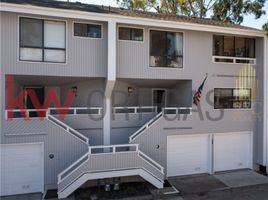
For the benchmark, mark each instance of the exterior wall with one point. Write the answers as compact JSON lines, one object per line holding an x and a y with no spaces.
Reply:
{"x":157,"y":133}
{"x":85,"y":57}
{"x":178,"y":95}
{"x":90,"y":126}
{"x":56,"y":141}
{"x":89,"y":93}
{"x":124,"y":125}
{"x":88,"y":58}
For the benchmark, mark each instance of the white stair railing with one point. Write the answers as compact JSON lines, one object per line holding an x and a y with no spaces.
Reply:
{"x":145,"y":127}
{"x":98,"y":153}
{"x":67,"y":128}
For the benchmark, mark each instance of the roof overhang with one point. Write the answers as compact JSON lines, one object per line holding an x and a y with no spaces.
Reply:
{"x":75,"y":14}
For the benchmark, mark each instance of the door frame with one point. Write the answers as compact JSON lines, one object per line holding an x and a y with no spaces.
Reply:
{"x":163,"y":89}
{"x":42,"y":159}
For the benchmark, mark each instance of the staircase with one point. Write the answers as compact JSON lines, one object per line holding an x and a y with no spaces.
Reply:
{"x":145,"y":127}
{"x":107,"y":162}
{"x":68,"y":129}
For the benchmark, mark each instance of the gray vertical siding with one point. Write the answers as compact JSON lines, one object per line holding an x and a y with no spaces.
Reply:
{"x":85,"y":56}
{"x":157,"y":134}
{"x":124,"y":125}
{"x":66,"y":148}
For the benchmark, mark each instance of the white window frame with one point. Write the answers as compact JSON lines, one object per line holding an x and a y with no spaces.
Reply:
{"x":87,"y":23}
{"x":41,"y":62}
{"x":214,"y":57}
{"x":183,"y":49}
{"x":133,"y":27}
{"x":233,"y":109}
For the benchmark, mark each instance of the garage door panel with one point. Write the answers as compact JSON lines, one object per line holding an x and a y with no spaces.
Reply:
{"x":22,"y":169}
{"x":232,"y":151}
{"x":187,"y":155}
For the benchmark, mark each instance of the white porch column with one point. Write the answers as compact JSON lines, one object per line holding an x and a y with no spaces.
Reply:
{"x":111,"y":77}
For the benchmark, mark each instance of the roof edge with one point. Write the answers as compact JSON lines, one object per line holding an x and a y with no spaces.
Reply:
{"x":104,"y":17}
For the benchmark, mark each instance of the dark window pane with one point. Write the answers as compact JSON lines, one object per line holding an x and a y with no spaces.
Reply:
{"x":250,"y":48}
{"x":232,"y":98}
{"x":80,"y":30}
{"x":31,"y":32}
{"x":166,"y":49}
{"x":228,"y":46}
{"x":137,"y":34}
{"x":233,"y":46}
{"x":124,"y":33}
{"x":158,"y":43}
{"x":218,"y":45}
{"x":94,"y":31}
{"x":240,"y":47}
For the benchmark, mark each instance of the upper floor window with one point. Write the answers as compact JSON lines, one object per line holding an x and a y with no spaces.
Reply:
{"x":42,"y":40}
{"x":233,"y":46}
{"x":166,"y":49}
{"x":232,"y":98}
{"x":133,"y":34}
{"x":87,"y":30}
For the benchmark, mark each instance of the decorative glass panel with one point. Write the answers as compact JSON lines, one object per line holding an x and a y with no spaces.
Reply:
{"x":54,"y":34}
{"x":31,"y":54}
{"x":31,"y":33}
{"x":54,"y":55}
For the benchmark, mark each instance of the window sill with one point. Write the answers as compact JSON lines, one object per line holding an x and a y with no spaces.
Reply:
{"x":167,"y":67}
{"x":233,"y":60}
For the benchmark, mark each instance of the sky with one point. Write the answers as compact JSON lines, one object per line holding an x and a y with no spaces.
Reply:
{"x":248,"y":20}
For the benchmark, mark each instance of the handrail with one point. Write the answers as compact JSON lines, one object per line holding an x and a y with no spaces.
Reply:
{"x":68,"y":129}
{"x":145,"y":127}
{"x":80,"y":161}
{"x":113,"y":148}
{"x":234,"y":59}
{"x":73,"y":110}
{"x":177,"y":110}
{"x":27,"y":112}
{"x":77,"y":110}
{"x":85,"y":158}
{"x":151,"y":161}
{"x":135,"y":109}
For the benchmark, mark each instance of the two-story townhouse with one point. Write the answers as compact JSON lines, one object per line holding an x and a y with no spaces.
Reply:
{"x":92,"y":93}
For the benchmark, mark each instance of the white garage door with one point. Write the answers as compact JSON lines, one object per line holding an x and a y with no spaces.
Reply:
{"x":188,"y":155}
{"x":21,"y":169}
{"x":232,"y":151}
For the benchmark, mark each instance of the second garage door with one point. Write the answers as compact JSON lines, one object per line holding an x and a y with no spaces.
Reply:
{"x":232,"y":151}
{"x":188,"y":154}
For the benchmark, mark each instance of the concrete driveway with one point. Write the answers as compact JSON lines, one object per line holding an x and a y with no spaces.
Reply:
{"x":236,"y":185}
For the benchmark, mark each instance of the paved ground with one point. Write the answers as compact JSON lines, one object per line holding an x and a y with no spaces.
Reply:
{"x":256,"y":192}
{"x":237,"y":185}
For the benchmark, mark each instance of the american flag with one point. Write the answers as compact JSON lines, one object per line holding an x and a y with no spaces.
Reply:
{"x":198,"y":94}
